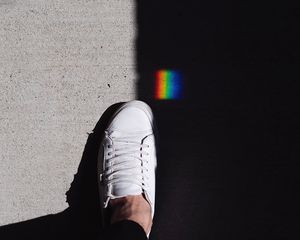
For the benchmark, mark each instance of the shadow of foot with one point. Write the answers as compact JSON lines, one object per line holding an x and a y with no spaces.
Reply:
{"x":81,"y":219}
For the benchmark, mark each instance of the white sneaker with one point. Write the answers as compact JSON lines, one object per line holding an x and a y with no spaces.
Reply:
{"x":127,"y":155}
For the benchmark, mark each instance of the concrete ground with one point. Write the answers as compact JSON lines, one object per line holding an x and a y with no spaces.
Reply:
{"x":62,"y":63}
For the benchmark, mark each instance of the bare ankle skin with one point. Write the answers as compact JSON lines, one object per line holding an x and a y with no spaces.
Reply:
{"x":134,"y":208}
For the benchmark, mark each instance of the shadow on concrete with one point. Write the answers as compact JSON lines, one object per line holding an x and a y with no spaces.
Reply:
{"x":82,"y":219}
{"x":226,"y":146}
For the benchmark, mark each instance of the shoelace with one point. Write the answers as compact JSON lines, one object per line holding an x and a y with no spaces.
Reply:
{"x":127,"y":163}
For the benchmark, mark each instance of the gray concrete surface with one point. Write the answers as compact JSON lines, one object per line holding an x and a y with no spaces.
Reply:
{"x":62,"y":63}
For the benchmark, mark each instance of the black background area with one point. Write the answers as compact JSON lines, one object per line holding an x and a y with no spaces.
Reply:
{"x":225,"y":149}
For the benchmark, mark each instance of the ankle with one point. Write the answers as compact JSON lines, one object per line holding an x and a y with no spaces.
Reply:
{"x":134,"y":208}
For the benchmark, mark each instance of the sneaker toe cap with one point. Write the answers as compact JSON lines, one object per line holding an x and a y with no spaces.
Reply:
{"x":131,"y":119}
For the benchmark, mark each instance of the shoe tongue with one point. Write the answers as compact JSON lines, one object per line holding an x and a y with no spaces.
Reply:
{"x":125,"y":189}
{"x":122,"y":189}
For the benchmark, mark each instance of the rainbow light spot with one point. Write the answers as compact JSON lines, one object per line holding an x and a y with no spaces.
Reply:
{"x":168,"y":84}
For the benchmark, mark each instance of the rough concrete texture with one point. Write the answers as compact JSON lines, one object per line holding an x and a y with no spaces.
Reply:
{"x":62,"y":63}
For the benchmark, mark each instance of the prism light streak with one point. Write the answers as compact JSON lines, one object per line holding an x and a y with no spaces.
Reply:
{"x":168,"y":84}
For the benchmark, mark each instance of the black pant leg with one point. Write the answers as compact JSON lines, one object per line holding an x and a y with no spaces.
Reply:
{"x":124,"y":230}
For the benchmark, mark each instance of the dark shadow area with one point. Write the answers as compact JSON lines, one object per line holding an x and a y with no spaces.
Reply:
{"x":82,"y":219}
{"x":226,"y":148}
